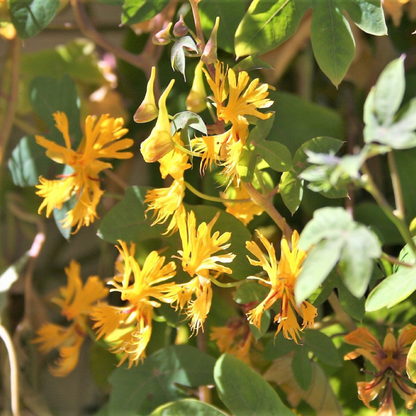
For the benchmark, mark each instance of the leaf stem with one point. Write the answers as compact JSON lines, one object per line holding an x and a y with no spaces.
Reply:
{"x":397,"y":189}
{"x":214,"y":198}
{"x":266,"y":203}
{"x":228,"y":285}
{"x":394,"y":260}
{"x":369,"y":185}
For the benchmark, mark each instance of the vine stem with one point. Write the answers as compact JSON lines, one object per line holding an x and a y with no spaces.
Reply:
{"x":214,"y":198}
{"x":397,"y":189}
{"x":394,"y":260}
{"x":227,"y":285}
{"x":342,"y":317}
{"x":14,"y":370}
{"x":266,"y":203}
{"x":370,"y":187}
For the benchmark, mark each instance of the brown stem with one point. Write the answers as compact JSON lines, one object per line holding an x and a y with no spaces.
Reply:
{"x":342,"y":317}
{"x":266,"y":203}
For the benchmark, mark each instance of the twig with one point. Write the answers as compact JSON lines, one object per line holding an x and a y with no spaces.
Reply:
{"x":342,"y":317}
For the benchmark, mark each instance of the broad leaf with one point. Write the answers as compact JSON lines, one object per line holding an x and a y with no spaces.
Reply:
{"x":187,"y":407}
{"x":322,"y":346}
{"x":331,"y":237}
{"x":268,"y":24}
{"x":319,"y":395}
{"x":136,"y":11}
{"x":29,"y":17}
{"x":244,"y":391}
{"x":291,"y":185}
{"x":302,"y":368}
{"x":139,"y":390}
{"x":28,"y":162}
{"x":230,"y":14}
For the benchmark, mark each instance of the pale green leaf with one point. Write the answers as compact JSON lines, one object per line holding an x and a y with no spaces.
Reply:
{"x":411,"y":363}
{"x":136,"y":11}
{"x":187,"y":407}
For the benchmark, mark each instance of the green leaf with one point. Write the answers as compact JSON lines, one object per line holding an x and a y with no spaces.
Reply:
{"x":389,"y":91}
{"x":28,"y":162}
{"x":392,"y":290}
{"x":250,"y":292}
{"x":140,"y":390}
{"x":136,"y":11}
{"x":353,"y":306}
{"x":29,"y":17}
{"x":411,"y":363}
{"x":187,"y":407}
{"x":267,"y":24}
{"x":331,"y":236}
{"x":332,"y":40}
{"x":302,"y":368}
{"x":49,"y":95}
{"x":278,"y":347}
{"x":59,"y":215}
{"x":291,"y":185}
{"x":244,"y":391}
{"x":126,"y":221}
{"x":251,"y":63}
{"x":178,"y":57}
{"x":322,"y":346}
{"x":230,"y":14}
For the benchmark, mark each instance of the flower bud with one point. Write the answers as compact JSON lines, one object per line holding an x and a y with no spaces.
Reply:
{"x":209,"y":56}
{"x":197,"y":97}
{"x":160,"y":141}
{"x":163,"y":37}
{"x":147,"y":110}
{"x":180,"y":29}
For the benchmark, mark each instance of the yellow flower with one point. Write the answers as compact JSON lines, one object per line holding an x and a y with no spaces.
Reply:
{"x":283,"y":276}
{"x":160,"y":142}
{"x":102,"y":140}
{"x":389,"y":361}
{"x":199,"y":259}
{"x":167,"y":202}
{"x":235,"y":338}
{"x":143,"y":289}
{"x":244,"y":211}
{"x":76,"y":301}
{"x":243,"y":98}
{"x":147,"y":110}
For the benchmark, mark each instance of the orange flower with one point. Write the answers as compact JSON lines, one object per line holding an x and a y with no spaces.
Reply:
{"x":389,"y":361}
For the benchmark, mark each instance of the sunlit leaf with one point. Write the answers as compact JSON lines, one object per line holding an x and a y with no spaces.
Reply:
{"x":136,"y":11}
{"x":29,"y":17}
{"x":411,"y":362}
{"x":331,"y":236}
{"x":178,"y":56}
{"x":244,"y":391}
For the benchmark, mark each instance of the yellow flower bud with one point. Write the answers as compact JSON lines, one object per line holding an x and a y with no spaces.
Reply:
{"x":209,"y":56}
{"x":160,"y":141}
{"x":197,"y":97}
{"x":147,"y":110}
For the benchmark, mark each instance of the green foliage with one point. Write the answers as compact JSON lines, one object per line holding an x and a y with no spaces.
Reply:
{"x":266,"y":25}
{"x":186,"y":407}
{"x":178,"y":54}
{"x":29,"y":17}
{"x":136,"y":11}
{"x":244,"y":391}
{"x":331,"y":237}
{"x":140,"y":390}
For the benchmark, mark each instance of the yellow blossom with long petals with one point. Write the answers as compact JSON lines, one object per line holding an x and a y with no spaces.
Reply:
{"x":143,"y":289}
{"x":199,"y":260}
{"x":282,"y":278}
{"x":389,"y":361}
{"x":102,"y":139}
{"x":76,"y":302}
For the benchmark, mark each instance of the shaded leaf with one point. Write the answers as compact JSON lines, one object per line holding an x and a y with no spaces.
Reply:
{"x":178,"y":56}
{"x":139,"y":390}
{"x":302,"y":368}
{"x":319,"y":395}
{"x":29,"y":17}
{"x":187,"y":407}
{"x":244,"y":391}
{"x":322,"y":346}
